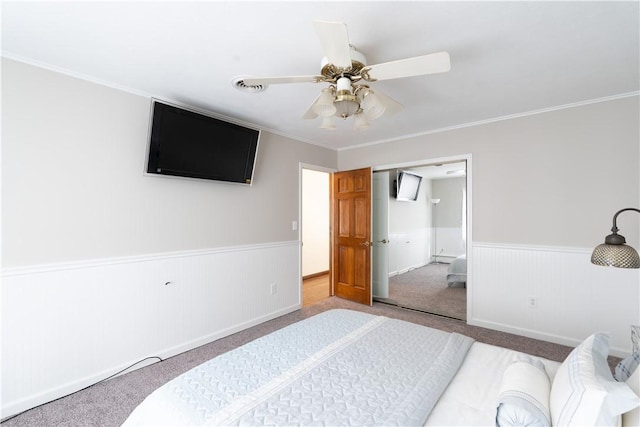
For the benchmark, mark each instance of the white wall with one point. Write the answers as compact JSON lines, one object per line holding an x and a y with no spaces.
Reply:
{"x":409,"y":229}
{"x":89,"y":242}
{"x":73,"y":158}
{"x":315,"y":222}
{"x":448,"y":221}
{"x":556,"y":178}
{"x":549,"y":183}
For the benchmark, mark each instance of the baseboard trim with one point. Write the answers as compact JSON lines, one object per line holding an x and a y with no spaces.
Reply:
{"x":190,"y":345}
{"x":408,"y":269}
{"x":311,"y":276}
{"x":556,"y":339}
{"x":47,"y":396}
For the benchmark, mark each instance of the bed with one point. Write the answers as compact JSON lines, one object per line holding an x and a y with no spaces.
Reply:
{"x":344,"y":367}
{"x":457,"y":271}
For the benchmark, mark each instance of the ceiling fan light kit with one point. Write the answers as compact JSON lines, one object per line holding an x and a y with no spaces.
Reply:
{"x":324,"y":106}
{"x":360,"y":122}
{"x":372,"y":105}
{"x":346,"y":103}
{"x":327,"y":123}
{"x":343,"y":67}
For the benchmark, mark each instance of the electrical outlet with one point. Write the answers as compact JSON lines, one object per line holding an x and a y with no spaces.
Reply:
{"x":273,"y":288}
{"x":532,"y":302}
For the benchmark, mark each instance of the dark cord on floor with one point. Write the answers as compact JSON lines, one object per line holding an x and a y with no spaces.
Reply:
{"x":89,"y":386}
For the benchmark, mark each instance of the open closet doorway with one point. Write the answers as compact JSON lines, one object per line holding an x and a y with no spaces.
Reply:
{"x":427,"y":232}
{"x":315,"y":234}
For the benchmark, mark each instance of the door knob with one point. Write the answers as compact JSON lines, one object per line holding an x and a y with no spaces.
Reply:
{"x":383,"y":241}
{"x":364,"y":243}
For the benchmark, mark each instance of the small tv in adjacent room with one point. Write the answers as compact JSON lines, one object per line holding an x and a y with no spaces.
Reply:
{"x":189,"y":144}
{"x":408,"y":186}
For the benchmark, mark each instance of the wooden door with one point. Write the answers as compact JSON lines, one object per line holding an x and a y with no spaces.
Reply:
{"x":351,"y":197}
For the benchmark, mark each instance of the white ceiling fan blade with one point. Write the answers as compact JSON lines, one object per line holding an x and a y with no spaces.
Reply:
{"x":416,"y":66}
{"x":256,"y":81}
{"x":335,"y":42}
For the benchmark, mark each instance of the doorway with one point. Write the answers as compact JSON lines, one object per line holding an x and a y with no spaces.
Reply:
{"x":378,"y":236}
{"x":427,"y":228}
{"x":348,"y":226}
{"x":315,"y":229}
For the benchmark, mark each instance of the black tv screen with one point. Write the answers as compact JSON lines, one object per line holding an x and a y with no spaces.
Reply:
{"x":189,"y":144}
{"x":408,"y":186}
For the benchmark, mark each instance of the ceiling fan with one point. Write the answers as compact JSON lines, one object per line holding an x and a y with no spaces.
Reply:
{"x":346,"y":71}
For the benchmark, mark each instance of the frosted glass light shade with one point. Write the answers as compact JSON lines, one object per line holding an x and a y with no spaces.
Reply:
{"x":372,"y":106}
{"x":327,"y":123}
{"x":324,"y":105}
{"x":346,"y":106}
{"x":360,"y":122}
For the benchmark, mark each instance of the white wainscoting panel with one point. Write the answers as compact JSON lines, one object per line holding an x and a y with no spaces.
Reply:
{"x":408,"y":250}
{"x":449,"y":242}
{"x":67,"y":326}
{"x":554,"y":294}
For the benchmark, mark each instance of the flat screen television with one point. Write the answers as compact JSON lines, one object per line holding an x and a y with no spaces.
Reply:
{"x":408,"y":186}
{"x":189,"y":144}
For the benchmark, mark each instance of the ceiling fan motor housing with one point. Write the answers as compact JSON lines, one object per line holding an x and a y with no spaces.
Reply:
{"x":332,"y":72}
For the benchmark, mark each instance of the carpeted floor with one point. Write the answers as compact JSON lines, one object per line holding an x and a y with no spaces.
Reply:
{"x":109,"y":403}
{"x":426,"y":289}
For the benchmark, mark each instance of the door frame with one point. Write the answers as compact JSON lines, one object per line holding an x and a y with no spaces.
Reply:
{"x":469,"y":243}
{"x":330,"y":171}
{"x":379,"y":272}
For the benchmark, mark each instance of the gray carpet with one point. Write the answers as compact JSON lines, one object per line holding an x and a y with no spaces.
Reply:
{"x":426,"y":289}
{"x":110,"y":403}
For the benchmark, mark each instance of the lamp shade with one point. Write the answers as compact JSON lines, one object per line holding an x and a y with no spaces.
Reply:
{"x":346,"y":105}
{"x":324,"y":104}
{"x":614,"y":252}
{"x":360,"y":122}
{"x":327,"y":123}
{"x":621,"y":255}
{"x":372,"y":106}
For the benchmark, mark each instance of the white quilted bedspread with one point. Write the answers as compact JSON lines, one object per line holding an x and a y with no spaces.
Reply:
{"x":339,"y":367}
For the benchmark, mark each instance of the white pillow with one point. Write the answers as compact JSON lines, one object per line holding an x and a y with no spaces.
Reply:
{"x":627,"y":366}
{"x":584,"y":392}
{"x":632,"y":418}
{"x":523,"y":399}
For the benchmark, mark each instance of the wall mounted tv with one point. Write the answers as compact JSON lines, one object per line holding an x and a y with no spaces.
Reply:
{"x":190,"y":144}
{"x":407,"y":186}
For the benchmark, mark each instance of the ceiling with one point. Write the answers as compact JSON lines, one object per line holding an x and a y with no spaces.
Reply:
{"x":434,"y":171}
{"x":507,"y":58}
